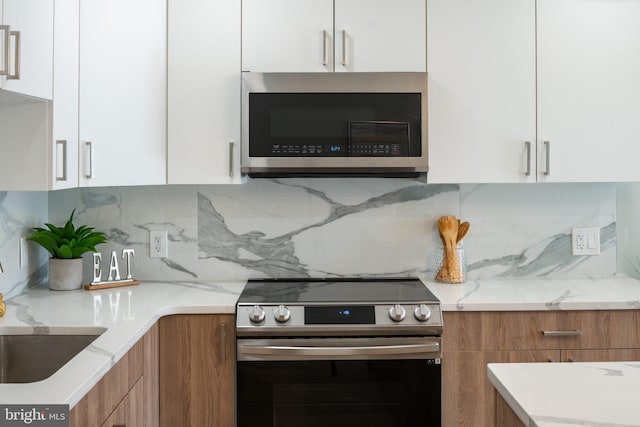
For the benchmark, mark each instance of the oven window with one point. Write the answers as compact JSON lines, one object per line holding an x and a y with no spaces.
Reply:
{"x":374,"y":393}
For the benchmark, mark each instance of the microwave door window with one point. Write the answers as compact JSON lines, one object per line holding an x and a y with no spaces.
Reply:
{"x":328,"y":124}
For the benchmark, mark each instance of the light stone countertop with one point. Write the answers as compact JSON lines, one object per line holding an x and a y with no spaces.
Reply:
{"x":595,"y":394}
{"x":127,"y":313}
{"x":607,"y":293}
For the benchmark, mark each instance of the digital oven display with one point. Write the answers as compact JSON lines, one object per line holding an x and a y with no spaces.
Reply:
{"x":339,"y":315}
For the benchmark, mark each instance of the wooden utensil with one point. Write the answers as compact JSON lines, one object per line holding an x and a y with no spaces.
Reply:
{"x":463,"y":229}
{"x":449,"y":272}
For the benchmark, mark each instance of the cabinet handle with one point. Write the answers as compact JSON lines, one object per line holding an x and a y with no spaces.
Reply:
{"x":527,"y":144}
{"x":16,"y":73}
{"x":574,"y":333}
{"x":325,"y":56}
{"x":119,"y":425}
{"x":63,"y":143}
{"x":89,"y":148}
{"x":231,"y":159}
{"x":547,"y":146}
{"x":344,"y":48}
{"x":6,"y":48}
{"x":223,"y":342}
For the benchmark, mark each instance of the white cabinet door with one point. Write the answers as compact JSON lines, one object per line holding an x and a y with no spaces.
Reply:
{"x":482,"y":90}
{"x":123,"y":92}
{"x":204,"y":92}
{"x":30,"y":47}
{"x":589,"y":89}
{"x":380,"y":35}
{"x":287,"y":35}
{"x":65,"y":94}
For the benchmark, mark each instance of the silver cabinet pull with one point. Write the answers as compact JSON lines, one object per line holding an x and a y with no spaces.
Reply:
{"x":63,"y":143}
{"x":89,"y":148}
{"x":574,"y":333}
{"x":223,"y":342}
{"x":325,"y":55}
{"x":231,"y":159}
{"x":16,"y":66}
{"x":5,"y":29}
{"x":547,"y":146}
{"x":344,"y":48}
{"x":528,"y":145}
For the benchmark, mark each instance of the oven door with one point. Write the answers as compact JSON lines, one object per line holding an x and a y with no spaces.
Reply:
{"x":339,"y":381}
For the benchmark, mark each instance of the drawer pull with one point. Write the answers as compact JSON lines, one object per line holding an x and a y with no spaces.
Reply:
{"x":119,"y":425}
{"x":574,"y":333}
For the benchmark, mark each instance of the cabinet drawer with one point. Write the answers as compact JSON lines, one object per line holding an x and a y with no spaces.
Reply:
{"x":541,"y":330}
{"x":103,"y":399}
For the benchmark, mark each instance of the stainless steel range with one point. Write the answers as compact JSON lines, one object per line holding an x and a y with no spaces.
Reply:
{"x":366,"y":352}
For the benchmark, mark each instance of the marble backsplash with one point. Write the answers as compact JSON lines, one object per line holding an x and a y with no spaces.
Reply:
{"x":331,"y":227}
{"x":346,"y":227}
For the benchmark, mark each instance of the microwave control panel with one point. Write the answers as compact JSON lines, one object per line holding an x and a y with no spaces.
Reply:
{"x":336,"y":150}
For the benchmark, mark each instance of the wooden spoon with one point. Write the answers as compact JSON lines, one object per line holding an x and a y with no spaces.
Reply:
{"x":448,"y":226}
{"x":463,"y":229}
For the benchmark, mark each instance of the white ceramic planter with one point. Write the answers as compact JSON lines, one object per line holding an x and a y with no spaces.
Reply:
{"x":65,"y":274}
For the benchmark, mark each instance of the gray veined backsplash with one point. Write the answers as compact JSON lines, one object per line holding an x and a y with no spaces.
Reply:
{"x":346,"y":227}
{"x":328,"y":227}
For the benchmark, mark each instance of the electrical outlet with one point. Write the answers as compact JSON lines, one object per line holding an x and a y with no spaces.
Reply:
{"x":158,"y":244}
{"x":585,"y":240}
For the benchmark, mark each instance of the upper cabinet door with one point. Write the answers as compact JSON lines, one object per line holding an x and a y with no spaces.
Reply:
{"x":482,"y":91}
{"x":287,"y":35}
{"x":123,"y":81}
{"x":204,"y":92}
{"x":30,"y":65}
{"x":589,"y":90}
{"x":380,"y":35}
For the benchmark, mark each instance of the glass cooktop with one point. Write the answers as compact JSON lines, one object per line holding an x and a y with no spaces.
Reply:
{"x":287,"y":291}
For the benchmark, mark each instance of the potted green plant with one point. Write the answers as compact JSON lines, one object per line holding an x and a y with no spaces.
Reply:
{"x":66,"y":246}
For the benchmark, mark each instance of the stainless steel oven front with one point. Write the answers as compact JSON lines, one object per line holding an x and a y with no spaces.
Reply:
{"x":335,"y":362}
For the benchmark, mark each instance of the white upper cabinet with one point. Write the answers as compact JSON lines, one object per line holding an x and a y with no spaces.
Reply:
{"x":300,"y":36}
{"x":64,"y":108}
{"x":589,"y":89}
{"x":497,"y":66}
{"x":380,"y":35}
{"x":287,"y":35}
{"x":123,"y":80}
{"x":26,"y":47}
{"x":204,"y":92}
{"x":482,"y":91}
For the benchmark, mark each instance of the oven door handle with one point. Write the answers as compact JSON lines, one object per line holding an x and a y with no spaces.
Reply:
{"x":374,"y":350}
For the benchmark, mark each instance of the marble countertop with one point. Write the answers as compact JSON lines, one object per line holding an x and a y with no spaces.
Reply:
{"x":127,"y":313}
{"x":608,"y":293}
{"x":570,"y":394}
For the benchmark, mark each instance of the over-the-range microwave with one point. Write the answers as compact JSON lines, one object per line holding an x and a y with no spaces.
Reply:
{"x":334,"y":124}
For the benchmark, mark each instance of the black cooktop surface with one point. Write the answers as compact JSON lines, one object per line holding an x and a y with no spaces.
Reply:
{"x":345,"y":290}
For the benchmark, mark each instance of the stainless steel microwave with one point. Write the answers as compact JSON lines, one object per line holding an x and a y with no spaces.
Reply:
{"x":334,"y":124}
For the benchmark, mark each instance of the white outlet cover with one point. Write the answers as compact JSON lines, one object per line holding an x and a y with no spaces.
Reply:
{"x":158,"y":244}
{"x":585,"y":241}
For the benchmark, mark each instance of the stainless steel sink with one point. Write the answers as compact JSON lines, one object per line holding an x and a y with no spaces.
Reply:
{"x":28,"y":358}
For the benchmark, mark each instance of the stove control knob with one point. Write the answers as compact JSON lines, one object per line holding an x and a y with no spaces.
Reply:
{"x":422,"y":313}
{"x":397,"y":313}
{"x":282,"y":314}
{"x":256,"y":314}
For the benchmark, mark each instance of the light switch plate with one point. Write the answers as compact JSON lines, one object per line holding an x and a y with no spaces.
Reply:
{"x":585,"y":240}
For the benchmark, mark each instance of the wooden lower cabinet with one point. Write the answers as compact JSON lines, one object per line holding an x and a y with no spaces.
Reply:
{"x":468,"y":397}
{"x":505,"y":417}
{"x":130,"y":411}
{"x":128,"y":394}
{"x":197,"y":370}
{"x":471,"y":340}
